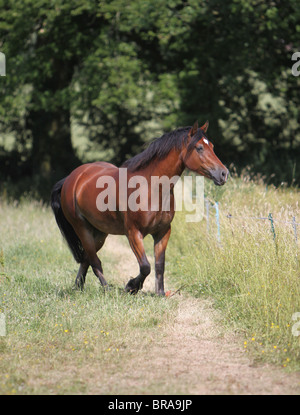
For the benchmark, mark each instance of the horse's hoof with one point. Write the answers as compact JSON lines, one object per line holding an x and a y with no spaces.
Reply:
{"x":132,"y":292}
{"x":78,"y":287}
{"x":131,"y":287}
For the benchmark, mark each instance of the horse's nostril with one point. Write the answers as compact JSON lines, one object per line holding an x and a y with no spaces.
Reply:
{"x":223,"y":175}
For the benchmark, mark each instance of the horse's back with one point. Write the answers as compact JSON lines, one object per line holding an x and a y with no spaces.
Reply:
{"x":98,"y":167}
{"x":83,"y":176}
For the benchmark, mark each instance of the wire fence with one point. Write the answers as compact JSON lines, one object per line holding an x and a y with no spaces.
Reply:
{"x":215,"y":206}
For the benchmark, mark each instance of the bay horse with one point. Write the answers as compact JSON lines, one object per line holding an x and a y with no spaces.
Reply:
{"x":85,"y":227}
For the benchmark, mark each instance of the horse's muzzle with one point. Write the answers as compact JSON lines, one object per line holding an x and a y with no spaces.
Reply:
{"x":219,"y":176}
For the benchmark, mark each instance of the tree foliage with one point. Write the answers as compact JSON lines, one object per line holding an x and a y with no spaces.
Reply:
{"x":127,"y":71}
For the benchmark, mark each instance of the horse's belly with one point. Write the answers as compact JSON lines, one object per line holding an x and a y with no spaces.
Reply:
{"x":105,"y":222}
{"x":159,"y":222}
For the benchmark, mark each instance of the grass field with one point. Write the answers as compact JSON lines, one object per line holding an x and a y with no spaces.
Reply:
{"x":50,"y":325}
{"x":253,"y":280}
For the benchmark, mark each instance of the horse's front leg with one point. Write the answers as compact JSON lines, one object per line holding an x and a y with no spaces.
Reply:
{"x":160,"y":244}
{"x":135,"y":239}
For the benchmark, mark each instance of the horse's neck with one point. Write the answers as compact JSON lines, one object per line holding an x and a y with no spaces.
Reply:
{"x":170,"y":166}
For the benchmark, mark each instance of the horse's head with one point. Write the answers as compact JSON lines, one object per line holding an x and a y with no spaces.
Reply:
{"x":199,"y":156}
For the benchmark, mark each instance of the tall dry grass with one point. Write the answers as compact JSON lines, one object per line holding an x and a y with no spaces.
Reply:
{"x":253,"y":279}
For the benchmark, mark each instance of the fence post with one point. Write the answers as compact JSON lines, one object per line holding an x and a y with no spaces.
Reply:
{"x":270,"y":217}
{"x":229,"y":216}
{"x":295,"y":229}
{"x":207,"y":215}
{"x":218,"y":221}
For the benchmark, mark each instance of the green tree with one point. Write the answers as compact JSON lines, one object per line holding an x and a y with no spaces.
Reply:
{"x":128,"y":70}
{"x":233,"y":60}
{"x":78,"y":59}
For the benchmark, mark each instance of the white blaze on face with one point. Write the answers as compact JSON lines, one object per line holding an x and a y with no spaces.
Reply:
{"x":205,"y":141}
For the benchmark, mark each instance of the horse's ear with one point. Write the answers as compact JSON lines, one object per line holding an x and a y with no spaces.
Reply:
{"x":194,"y":129}
{"x":205,"y":127}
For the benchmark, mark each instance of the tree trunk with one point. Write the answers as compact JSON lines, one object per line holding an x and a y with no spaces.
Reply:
{"x":52,"y":151}
{"x":52,"y":154}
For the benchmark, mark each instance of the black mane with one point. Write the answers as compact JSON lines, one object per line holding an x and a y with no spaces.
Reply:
{"x":160,"y":147}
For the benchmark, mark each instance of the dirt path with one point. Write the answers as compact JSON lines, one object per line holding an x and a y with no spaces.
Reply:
{"x":196,"y":354}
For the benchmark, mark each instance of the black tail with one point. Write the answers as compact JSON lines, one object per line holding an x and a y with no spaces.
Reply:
{"x":64,"y":226}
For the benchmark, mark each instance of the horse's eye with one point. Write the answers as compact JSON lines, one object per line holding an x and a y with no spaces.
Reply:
{"x":199,"y":148}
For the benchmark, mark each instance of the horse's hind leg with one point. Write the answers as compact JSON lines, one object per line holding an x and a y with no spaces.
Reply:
{"x":80,"y":279}
{"x":99,"y":239}
{"x":94,"y":261}
{"x":91,"y":241}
